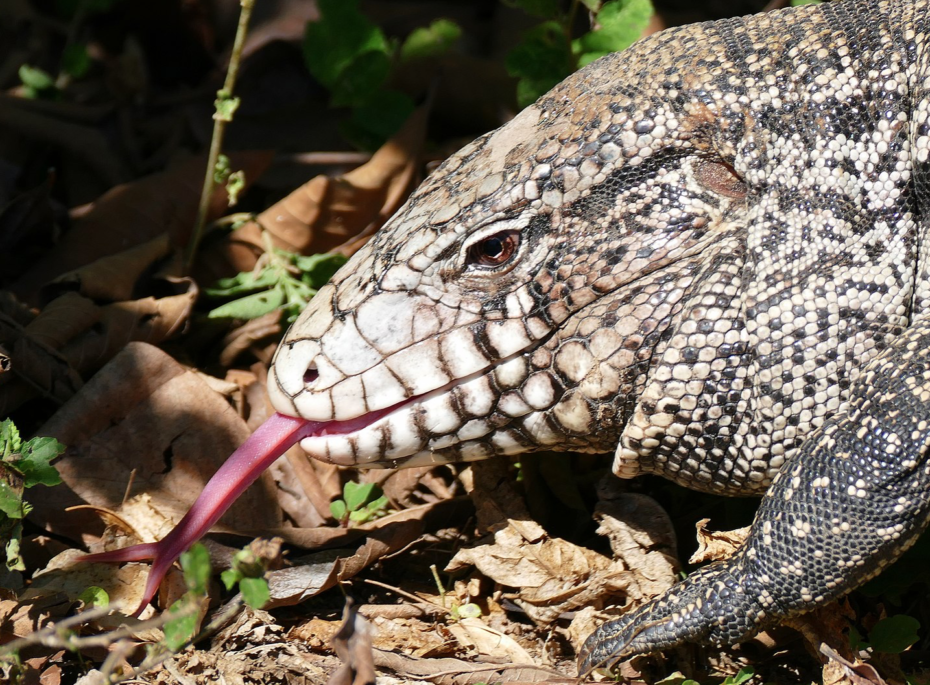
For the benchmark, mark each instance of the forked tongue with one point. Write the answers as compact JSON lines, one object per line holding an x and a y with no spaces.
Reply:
{"x":272,"y":439}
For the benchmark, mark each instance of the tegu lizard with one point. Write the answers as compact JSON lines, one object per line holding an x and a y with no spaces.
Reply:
{"x":706,"y":255}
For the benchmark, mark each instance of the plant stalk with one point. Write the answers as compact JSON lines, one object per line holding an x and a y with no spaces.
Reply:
{"x":221,"y":117}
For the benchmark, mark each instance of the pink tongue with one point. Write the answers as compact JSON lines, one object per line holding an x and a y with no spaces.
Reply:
{"x":272,"y":439}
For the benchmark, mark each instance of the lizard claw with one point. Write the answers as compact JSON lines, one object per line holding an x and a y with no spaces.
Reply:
{"x":274,"y":437}
{"x":717,"y":604}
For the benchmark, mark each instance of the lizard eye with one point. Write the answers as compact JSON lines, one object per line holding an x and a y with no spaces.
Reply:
{"x":494,"y":250}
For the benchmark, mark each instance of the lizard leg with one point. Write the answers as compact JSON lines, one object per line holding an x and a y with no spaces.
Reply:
{"x":855,"y":497}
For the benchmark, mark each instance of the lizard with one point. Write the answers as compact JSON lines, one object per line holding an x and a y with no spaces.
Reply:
{"x":706,"y":255}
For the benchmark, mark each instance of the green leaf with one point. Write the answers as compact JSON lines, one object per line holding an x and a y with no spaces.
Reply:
{"x":11,"y":501}
{"x":431,"y":41}
{"x":13,"y":548}
{"x":319,"y":268}
{"x":676,"y":678}
{"x":179,"y":630}
{"x":35,"y":463}
{"x":540,"y":61}
{"x":94,"y":596}
{"x":235,"y":184}
{"x":255,"y":592}
{"x":592,"y":5}
{"x":338,"y":509}
{"x":10,"y":442}
{"x":35,"y":78}
{"x":225,"y":106}
{"x":364,"y":75}
{"x":799,"y":3}
{"x":856,"y":641}
{"x":378,"y":505}
{"x":621,"y":23}
{"x":221,"y":170}
{"x":360,"y":516}
{"x":230,"y":577}
{"x":894,"y":634}
{"x":75,"y":60}
{"x":744,"y":675}
{"x":251,"y":306}
{"x":244,"y":282}
{"x":470,"y":610}
{"x":357,"y":494}
{"x":547,"y":9}
{"x":377,"y":119}
{"x":195,"y":563}
{"x":340,"y":36}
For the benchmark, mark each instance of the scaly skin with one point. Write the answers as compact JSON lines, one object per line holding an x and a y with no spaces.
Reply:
{"x":714,"y":234}
{"x":706,"y":255}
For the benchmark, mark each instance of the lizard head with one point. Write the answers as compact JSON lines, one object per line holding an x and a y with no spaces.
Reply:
{"x":517,"y":299}
{"x":652,"y":260}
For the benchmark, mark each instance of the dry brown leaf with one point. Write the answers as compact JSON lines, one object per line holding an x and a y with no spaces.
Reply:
{"x":148,"y":420}
{"x":842,"y":671}
{"x":89,"y":337}
{"x":716,"y":545}
{"x":326,"y":212}
{"x":150,"y":320}
{"x":21,"y":618}
{"x":312,"y":574}
{"x":64,"y":575}
{"x":421,"y":638}
{"x":473,"y":634}
{"x":399,"y":484}
{"x":410,"y":636}
{"x":352,"y":644}
{"x":134,"y":213}
{"x":459,"y":672}
{"x":37,"y":367}
{"x":62,"y":319}
{"x":243,"y":337}
{"x":552,"y":575}
{"x":112,"y":278}
{"x":641,"y":537}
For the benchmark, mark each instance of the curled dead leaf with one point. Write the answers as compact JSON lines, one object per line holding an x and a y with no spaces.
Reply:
{"x":352,"y":644}
{"x":112,"y":278}
{"x":716,"y":545}
{"x":134,"y":213}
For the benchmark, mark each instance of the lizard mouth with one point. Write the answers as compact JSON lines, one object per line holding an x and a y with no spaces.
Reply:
{"x":341,"y":441}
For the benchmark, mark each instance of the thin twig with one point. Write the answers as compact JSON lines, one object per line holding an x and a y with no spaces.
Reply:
{"x":223,"y":96}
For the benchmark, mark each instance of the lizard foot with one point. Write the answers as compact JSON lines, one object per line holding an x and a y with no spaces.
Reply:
{"x":717,"y":604}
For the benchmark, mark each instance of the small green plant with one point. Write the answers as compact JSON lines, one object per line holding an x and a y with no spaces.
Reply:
{"x":281,"y":280}
{"x":548,"y":53}
{"x":94,"y":596}
{"x":195,"y":563}
{"x":248,"y":571}
{"x":37,"y":83}
{"x":75,"y":60}
{"x":23,"y":465}
{"x":354,"y":59}
{"x":458,"y":611}
{"x":891,"y":635}
{"x":360,"y":503}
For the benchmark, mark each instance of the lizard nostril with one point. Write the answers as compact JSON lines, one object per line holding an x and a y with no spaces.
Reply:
{"x":311,"y":374}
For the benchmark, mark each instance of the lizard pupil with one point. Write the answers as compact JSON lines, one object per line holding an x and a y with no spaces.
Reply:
{"x":494,"y":250}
